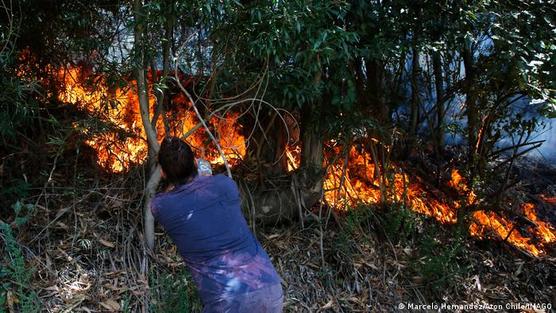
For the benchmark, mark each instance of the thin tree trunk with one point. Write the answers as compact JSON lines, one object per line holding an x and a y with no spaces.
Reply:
{"x":312,"y":147}
{"x":471,"y":106}
{"x":472,"y":121}
{"x":280,"y":149}
{"x":375,"y":91}
{"x":312,"y":138}
{"x":150,"y":131}
{"x":414,"y":109}
{"x":160,"y":110}
{"x":439,"y":87}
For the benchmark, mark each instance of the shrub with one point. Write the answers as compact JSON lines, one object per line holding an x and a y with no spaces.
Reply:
{"x":173,"y":292}
{"x":16,"y":274}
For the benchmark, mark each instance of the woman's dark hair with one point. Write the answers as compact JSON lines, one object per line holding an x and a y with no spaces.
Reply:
{"x":177,"y":160}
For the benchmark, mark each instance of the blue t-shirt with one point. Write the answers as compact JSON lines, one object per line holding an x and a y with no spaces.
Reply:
{"x":204,"y":219}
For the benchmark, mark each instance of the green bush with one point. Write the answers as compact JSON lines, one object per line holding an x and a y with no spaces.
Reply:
{"x":17,"y":108}
{"x":440,"y":262}
{"x":173,"y":292}
{"x":16,"y":274}
{"x":355,"y":226}
{"x":400,"y":223}
{"x":13,"y":190}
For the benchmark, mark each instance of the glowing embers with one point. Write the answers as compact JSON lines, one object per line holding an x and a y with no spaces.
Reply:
{"x":124,"y":144}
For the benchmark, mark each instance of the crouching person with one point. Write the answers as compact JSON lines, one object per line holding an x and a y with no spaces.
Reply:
{"x":203,"y":217}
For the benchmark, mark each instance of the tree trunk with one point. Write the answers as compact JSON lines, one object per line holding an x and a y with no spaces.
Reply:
{"x":414,"y":108}
{"x":438,"y":134}
{"x":312,"y":142}
{"x":439,"y":87}
{"x":472,"y":122}
{"x":150,"y":131}
{"x":375,"y":91}
{"x":280,"y":157}
{"x":471,"y":106}
{"x":161,"y":98}
{"x":312,"y":138}
{"x":312,"y":157}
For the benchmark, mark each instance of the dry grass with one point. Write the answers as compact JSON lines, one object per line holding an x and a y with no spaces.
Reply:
{"x":87,"y":249}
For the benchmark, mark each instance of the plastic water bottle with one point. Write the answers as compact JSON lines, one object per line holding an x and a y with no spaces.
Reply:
{"x":203,"y":167}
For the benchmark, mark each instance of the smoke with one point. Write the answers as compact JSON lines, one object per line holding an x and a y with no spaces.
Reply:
{"x":547,"y":151}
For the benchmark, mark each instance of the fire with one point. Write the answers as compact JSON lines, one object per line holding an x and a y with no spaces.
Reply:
{"x":361,"y":184}
{"x":350,"y":185}
{"x":543,"y":230}
{"x":358,"y":181}
{"x":293,"y":158}
{"x":459,"y":184}
{"x":114,"y":151}
{"x":230,"y":138}
{"x":549,"y":200}
{"x":490,"y":223}
{"x":125,"y":144}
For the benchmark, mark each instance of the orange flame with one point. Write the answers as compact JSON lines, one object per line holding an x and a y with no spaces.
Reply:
{"x":356,"y":183}
{"x":120,"y":108}
{"x":543,"y":229}
{"x":360,"y":182}
{"x":293,"y":156}
{"x":362,"y":185}
{"x":459,"y":184}
{"x":489,"y":223}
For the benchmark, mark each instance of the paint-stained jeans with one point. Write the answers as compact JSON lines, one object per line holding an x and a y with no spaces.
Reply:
{"x":264,"y":300}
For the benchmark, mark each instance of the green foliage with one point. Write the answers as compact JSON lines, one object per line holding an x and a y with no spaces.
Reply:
{"x":173,"y":292}
{"x":298,"y":41}
{"x":16,"y":274}
{"x":400,"y":223}
{"x":439,"y":262}
{"x":358,"y":223}
{"x":22,"y":213}
{"x":17,"y":109}
{"x":523,"y":36}
{"x":15,"y":189}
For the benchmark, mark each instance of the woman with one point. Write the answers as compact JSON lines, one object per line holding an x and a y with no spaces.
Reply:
{"x":203,"y":217}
